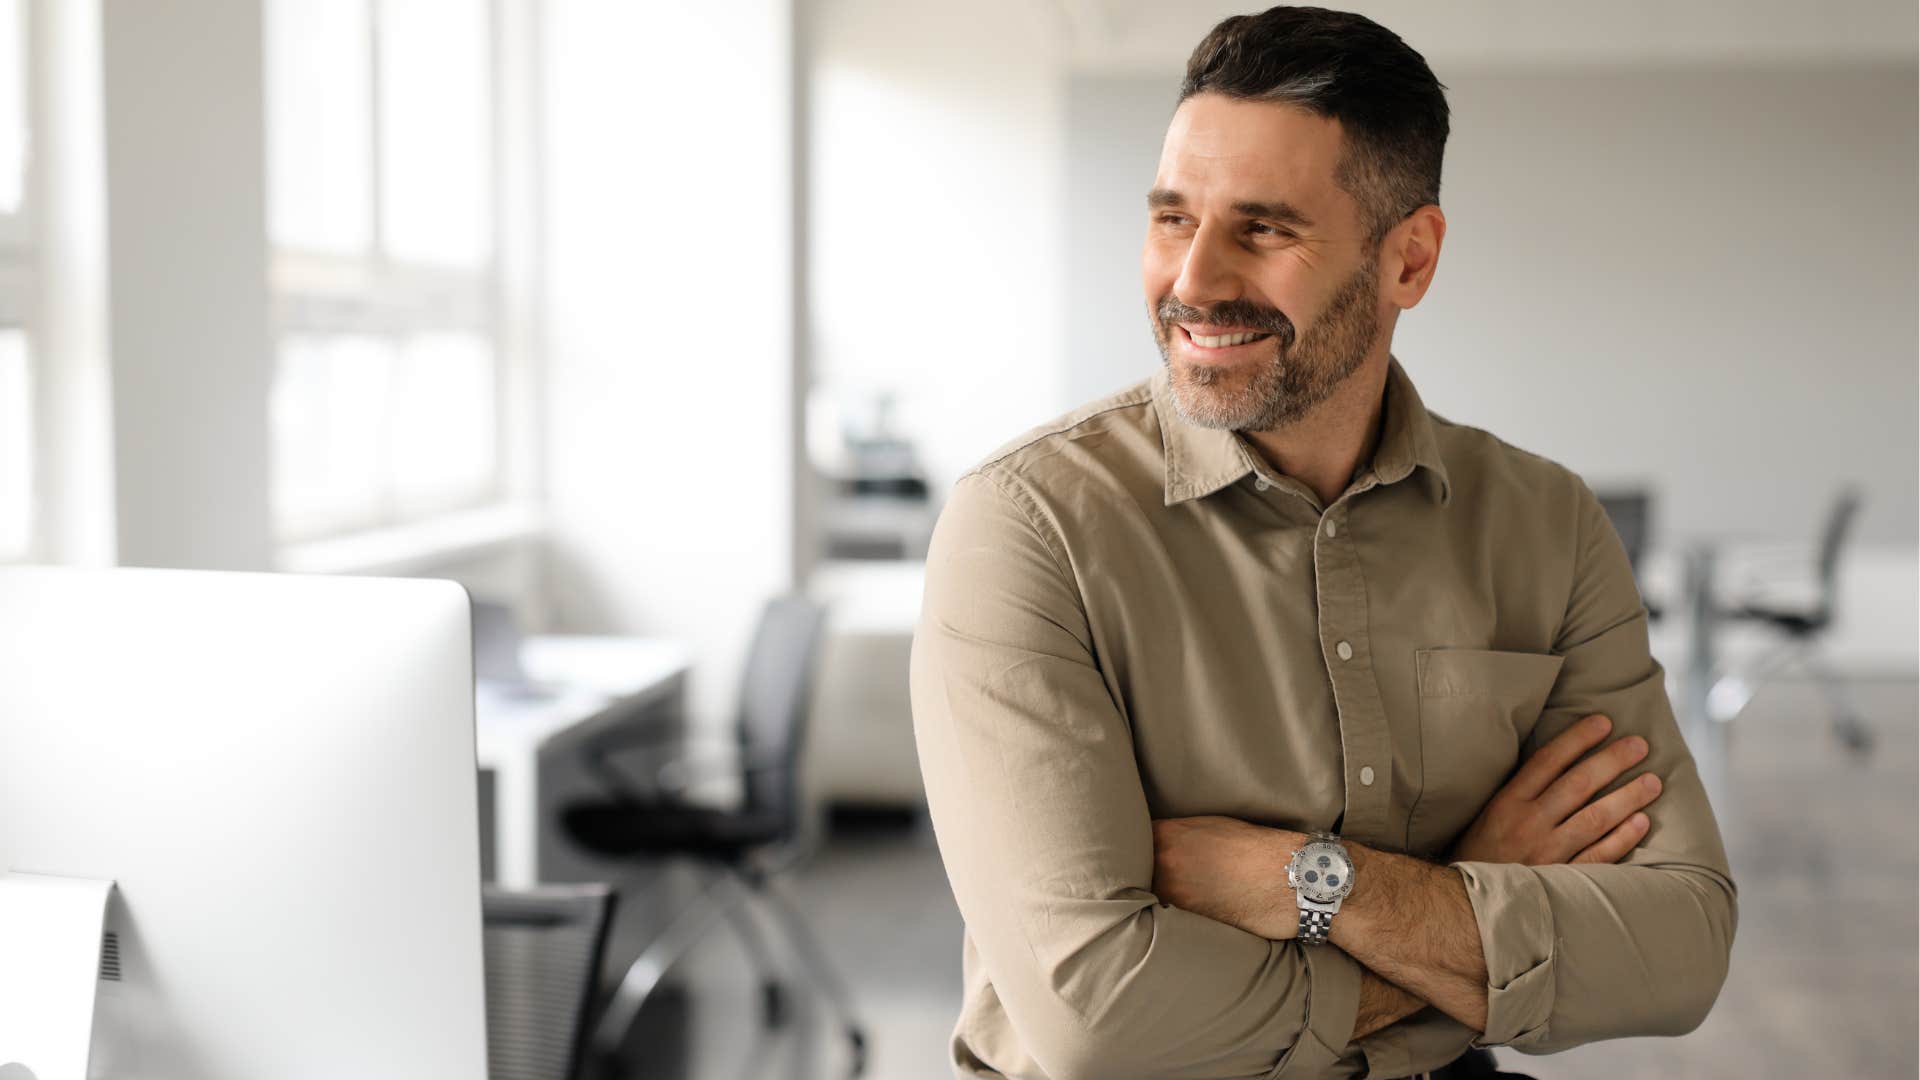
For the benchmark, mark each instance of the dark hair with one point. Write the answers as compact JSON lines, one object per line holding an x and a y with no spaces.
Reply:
{"x":1345,"y":67}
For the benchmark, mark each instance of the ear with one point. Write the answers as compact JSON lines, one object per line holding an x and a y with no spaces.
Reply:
{"x":1409,"y":255}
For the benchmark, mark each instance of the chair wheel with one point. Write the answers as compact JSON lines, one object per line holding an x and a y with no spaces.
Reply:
{"x":1854,"y":735}
{"x":858,"y":1039}
{"x":773,"y":1004}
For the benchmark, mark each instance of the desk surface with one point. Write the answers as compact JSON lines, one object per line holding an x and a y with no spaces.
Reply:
{"x":579,"y":686}
{"x":575,"y":678}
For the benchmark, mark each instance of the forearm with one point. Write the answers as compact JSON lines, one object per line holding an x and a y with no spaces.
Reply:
{"x":1382,"y":1005}
{"x":1411,"y":923}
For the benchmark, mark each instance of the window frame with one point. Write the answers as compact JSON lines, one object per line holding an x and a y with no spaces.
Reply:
{"x":373,"y":294}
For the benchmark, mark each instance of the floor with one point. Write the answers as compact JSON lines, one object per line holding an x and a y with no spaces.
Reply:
{"x":1823,"y":981}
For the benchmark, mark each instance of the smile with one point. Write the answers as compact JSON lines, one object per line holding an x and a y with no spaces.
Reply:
{"x":1226,"y":340}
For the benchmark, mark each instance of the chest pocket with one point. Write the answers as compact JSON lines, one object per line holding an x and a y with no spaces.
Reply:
{"x":1476,"y":708}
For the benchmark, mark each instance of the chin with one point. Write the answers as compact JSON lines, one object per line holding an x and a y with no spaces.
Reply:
{"x":1216,"y":376}
{"x":1213,"y":400}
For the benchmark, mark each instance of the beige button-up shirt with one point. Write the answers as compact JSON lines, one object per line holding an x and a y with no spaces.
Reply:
{"x":1128,"y":617}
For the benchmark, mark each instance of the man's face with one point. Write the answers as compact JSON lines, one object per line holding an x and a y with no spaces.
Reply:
{"x":1260,"y":283}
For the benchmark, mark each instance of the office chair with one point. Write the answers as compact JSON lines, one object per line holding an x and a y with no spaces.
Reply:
{"x":739,"y":853}
{"x":542,"y":949}
{"x":1803,"y":627}
{"x":1631,"y":512}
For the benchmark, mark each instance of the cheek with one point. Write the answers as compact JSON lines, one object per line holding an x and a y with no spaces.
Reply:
{"x":1300,"y":290}
{"x":1289,"y":289}
{"x":1159,"y":267}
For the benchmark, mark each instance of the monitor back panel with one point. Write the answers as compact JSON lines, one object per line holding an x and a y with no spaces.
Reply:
{"x":278,"y":772}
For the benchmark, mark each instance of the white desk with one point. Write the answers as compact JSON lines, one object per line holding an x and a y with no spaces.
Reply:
{"x":589,"y":684}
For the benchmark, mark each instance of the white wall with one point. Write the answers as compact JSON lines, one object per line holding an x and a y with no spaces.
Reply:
{"x":670,"y":365}
{"x":937,"y":153}
{"x":1702,"y":279}
{"x":187,"y":282}
{"x":1115,"y":124}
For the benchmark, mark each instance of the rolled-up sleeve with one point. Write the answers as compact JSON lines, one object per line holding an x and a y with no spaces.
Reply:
{"x":1580,"y":953}
{"x":1043,"y":824}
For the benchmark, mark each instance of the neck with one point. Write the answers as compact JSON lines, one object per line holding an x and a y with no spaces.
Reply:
{"x":1323,"y":448}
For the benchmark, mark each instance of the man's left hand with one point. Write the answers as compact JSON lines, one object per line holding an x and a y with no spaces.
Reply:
{"x":1229,"y":870}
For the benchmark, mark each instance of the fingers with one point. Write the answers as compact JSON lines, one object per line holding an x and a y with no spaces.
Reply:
{"x":1617,"y":843}
{"x":1602,"y":816}
{"x":1559,"y":754}
{"x":1593,"y":772}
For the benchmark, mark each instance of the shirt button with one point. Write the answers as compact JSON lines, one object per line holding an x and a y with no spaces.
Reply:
{"x":1260,"y":483}
{"x":1366,"y":775}
{"x":1332,"y":529}
{"x":1345,"y":650}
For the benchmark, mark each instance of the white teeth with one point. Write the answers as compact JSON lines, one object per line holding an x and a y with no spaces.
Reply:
{"x":1223,"y":340}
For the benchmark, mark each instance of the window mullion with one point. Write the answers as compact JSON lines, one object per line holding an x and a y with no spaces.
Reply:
{"x":380,"y":270}
{"x":390,"y":431}
{"x":22,"y":299}
{"x":376,"y":201}
{"x":500,"y":317}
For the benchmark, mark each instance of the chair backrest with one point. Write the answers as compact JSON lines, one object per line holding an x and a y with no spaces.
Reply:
{"x":1833,"y":539}
{"x":775,"y":694}
{"x":542,"y":949}
{"x":1631,"y":512}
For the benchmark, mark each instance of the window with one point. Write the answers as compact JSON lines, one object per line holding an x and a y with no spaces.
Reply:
{"x":387,"y":399}
{"x":17,"y":432}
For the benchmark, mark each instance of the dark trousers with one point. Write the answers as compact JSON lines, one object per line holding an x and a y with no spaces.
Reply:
{"x":1475,"y":1065}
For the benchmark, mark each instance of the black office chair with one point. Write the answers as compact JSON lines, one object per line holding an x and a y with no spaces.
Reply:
{"x":740,"y":853}
{"x":542,"y":950}
{"x":1803,"y":626}
{"x":1631,"y":512}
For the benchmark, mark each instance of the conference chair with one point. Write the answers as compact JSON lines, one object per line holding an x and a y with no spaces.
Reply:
{"x":1802,"y":625}
{"x":542,"y":950}
{"x":740,"y":854}
{"x":1631,"y":512}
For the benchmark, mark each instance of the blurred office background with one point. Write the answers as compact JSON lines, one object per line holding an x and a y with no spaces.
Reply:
{"x":631,"y":316}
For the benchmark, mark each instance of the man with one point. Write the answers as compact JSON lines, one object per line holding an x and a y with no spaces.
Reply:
{"x":1272,"y":726}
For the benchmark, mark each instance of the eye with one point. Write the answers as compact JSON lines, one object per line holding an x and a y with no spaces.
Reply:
{"x":1261,"y":228}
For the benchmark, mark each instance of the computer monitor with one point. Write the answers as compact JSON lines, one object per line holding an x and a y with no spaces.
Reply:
{"x":278,"y":773}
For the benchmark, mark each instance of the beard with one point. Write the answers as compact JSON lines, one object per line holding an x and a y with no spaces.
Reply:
{"x":1300,"y":373}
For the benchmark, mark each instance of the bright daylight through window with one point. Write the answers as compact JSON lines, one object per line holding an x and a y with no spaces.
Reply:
{"x":16,"y":382}
{"x":381,"y":116}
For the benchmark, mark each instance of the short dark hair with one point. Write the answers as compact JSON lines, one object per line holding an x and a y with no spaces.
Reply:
{"x":1345,"y":67}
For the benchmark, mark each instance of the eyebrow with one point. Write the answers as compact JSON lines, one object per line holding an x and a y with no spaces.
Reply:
{"x":1280,"y":210}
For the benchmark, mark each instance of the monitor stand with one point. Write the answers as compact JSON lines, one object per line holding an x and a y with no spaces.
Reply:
{"x":50,"y":932}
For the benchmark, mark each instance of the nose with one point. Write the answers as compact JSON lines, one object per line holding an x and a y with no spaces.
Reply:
{"x":1210,"y":272}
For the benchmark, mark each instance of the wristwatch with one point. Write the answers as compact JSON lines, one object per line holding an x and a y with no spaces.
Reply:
{"x":1321,"y":875}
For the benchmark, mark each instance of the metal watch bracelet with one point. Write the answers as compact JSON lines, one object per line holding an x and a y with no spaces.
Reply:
{"x":1314,"y":926}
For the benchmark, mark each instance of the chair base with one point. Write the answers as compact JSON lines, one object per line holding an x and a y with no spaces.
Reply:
{"x":1733,"y":692}
{"x":733,"y":893}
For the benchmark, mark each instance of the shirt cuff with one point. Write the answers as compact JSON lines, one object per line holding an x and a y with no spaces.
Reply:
{"x":1419,"y":1043}
{"x":1516,"y":933}
{"x":1333,"y":1004}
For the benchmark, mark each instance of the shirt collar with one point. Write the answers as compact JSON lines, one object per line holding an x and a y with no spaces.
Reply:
{"x":1201,"y":461}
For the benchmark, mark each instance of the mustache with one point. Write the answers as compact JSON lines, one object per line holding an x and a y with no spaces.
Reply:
{"x":1243,"y":312}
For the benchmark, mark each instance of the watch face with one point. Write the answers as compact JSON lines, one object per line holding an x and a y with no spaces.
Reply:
{"x":1321,"y":873}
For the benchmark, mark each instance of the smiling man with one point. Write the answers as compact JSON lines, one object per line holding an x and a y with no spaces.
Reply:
{"x":1273,"y":726}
